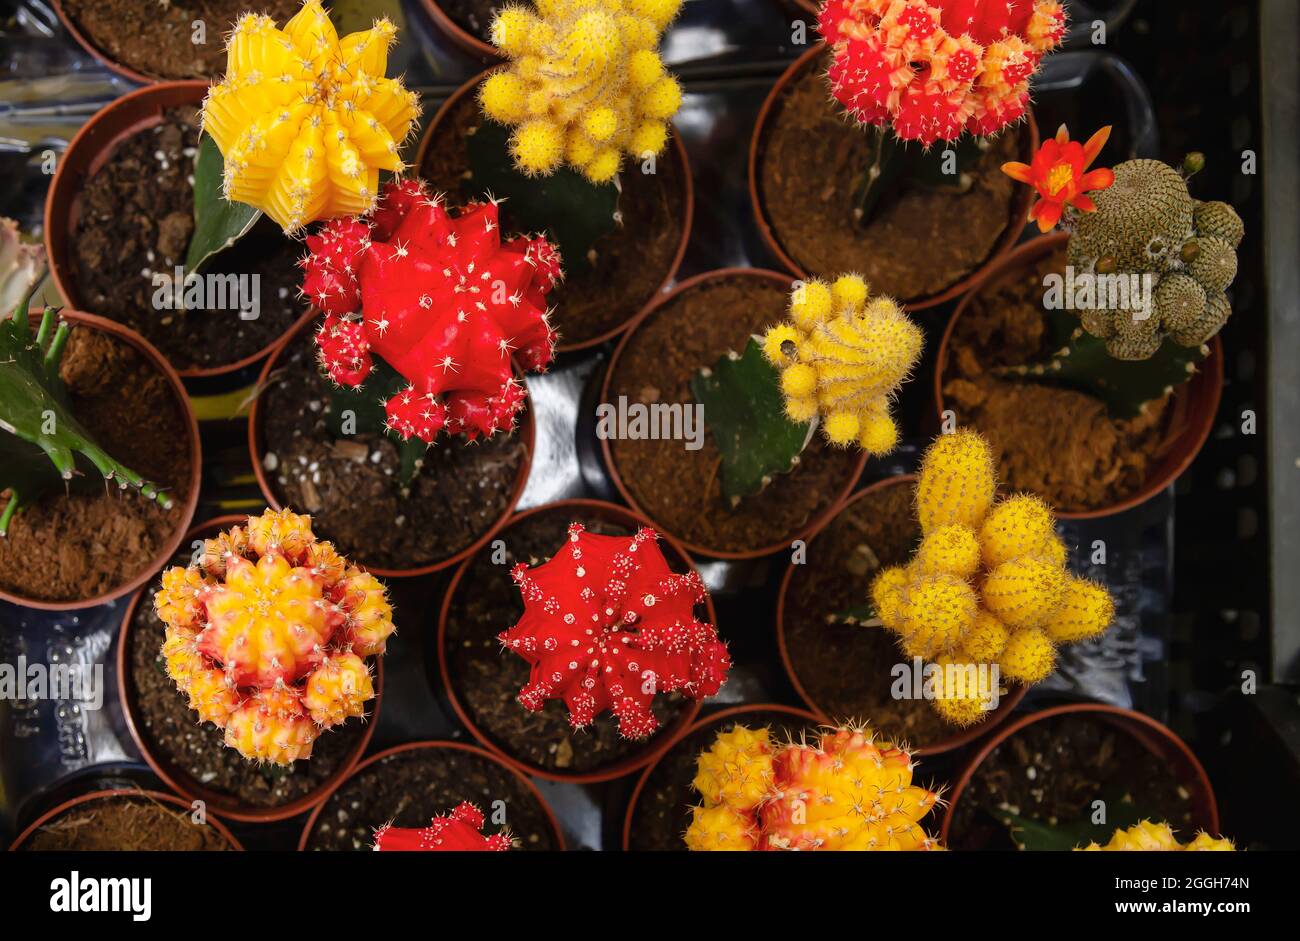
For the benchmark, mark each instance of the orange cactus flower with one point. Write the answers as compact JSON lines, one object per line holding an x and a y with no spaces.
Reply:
{"x":1061,"y":176}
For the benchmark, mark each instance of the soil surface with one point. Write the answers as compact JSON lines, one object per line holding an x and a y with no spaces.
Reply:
{"x":157,"y":38}
{"x":631,"y":261}
{"x":473,"y":16}
{"x":845,"y":669}
{"x":351,"y":486}
{"x":920,"y":242}
{"x":663,"y":810}
{"x":1054,"y":770}
{"x":92,"y":538}
{"x":410,"y":788}
{"x":488,"y":679}
{"x":135,"y":221}
{"x":681,"y":489}
{"x":128,"y":824}
{"x":1056,"y":442}
{"x":174,"y":734}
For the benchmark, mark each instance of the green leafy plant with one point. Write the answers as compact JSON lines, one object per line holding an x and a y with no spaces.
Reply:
{"x":218,"y":222}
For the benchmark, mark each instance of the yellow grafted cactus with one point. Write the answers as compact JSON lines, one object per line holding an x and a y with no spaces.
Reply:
{"x":306,"y":120}
{"x":584,"y":85}
{"x":842,"y":356}
{"x":841,"y":791}
{"x":1159,"y":837}
{"x":988,"y":584}
{"x":737,"y":769}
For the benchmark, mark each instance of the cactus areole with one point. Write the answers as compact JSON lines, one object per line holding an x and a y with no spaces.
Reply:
{"x":607,"y":625}
{"x":458,"y":831}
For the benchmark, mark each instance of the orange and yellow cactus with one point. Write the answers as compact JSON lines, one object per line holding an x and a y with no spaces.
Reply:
{"x":988,"y":583}
{"x":266,"y":634}
{"x":1159,"y":837}
{"x":844,"y":791}
{"x":843,"y":355}
{"x":585,"y":84}
{"x":306,"y":120}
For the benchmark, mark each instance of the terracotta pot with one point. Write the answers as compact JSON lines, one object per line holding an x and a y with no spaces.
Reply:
{"x":663,"y":300}
{"x":89,"y":150}
{"x":188,"y":502}
{"x":158,"y":796}
{"x":658,"y":742}
{"x":1153,"y":736}
{"x":527,"y":428}
{"x":449,"y":746}
{"x":98,"y":54}
{"x":182,"y":781}
{"x":1019,"y":210}
{"x":716,"y":718}
{"x":688,"y":209}
{"x":467,"y":41}
{"x":1195,"y":403}
{"x":959,"y":737}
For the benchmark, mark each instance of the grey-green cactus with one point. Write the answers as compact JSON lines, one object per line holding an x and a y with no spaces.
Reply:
{"x":44,"y":439}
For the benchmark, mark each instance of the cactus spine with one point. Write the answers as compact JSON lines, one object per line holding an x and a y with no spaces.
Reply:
{"x":1159,"y":837}
{"x":458,"y":831}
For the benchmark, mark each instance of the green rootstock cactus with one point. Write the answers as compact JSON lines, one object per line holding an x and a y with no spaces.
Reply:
{"x":1185,"y":252}
{"x":44,"y":439}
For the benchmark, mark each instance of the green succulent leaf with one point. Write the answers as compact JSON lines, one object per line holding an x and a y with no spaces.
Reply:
{"x":745,"y":411}
{"x":859,"y":615}
{"x":218,"y":222}
{"x":572,"y":210}
{"x":1030,"y":833}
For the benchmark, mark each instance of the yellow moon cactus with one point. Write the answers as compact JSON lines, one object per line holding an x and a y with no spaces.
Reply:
{"x":842,"y":356}
{"x":306,"y":120}
{"x":1159,"y":837}
{"x":584,"y":86}
{"x":988,"y":583}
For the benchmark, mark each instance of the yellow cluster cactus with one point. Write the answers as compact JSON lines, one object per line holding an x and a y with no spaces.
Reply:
{"x":585,"y":84}
{"x":843,"y":791}
{"x":306,"y":120}
{"x":1159,"y":837}
{"x":842,"y":355}
{"x":988,"y":583}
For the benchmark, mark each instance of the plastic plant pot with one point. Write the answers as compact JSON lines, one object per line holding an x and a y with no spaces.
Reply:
{"x":465,"y":40}
{"x":157,"y":796}
{"x":84,"y":41}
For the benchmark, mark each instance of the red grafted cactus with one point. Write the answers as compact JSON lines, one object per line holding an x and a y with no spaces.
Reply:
{"x":440,"y":298}
{"x":931,"y":69}
{"x":607,"y":625}
{"x":459,"y":831}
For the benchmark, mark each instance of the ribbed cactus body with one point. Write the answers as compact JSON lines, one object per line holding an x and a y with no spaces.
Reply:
{"x":457,"y":832}
{"x":1159,"y":837}
{"x":266,"y":632}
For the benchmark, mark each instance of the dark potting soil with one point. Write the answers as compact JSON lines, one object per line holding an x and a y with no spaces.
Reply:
{"x":174,"y":733}
{"x":488,"y":679}
{"x":663,"y":810}
{"x":845,"y":669}
{"x":630,"y":262}
{"x":351,"y":486}
{"x":409,"y":788}
{"x":136,"y":219}
{"x":1053,"y":771}
{"x":921,"y":241}
{"x":125,"y":823}
{"x":92,"y":538}
{"x":680,"y":489}
{"x":473,"y":16}
{"x":1056,"y":442}
{"x":157,"y":39}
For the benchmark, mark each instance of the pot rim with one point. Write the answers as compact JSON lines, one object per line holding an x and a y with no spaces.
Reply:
{"x":159,"y":796}
{"x":1206,"y":383}
{"x":698,"y":726}
{"x":816,"y":521}
{"x":960,"y":737}
{"x":190,"y":503}
{"x":1114,"y":715}
{"x":433,"y":744}
{"x":1021,"y":200}
{"x":656,"y":744}
{"x":100,"y":55}
{"x":466,"y":40}
{"x":227,"y":805}
{"x":527,"y":427}
{"x":688,"y":208}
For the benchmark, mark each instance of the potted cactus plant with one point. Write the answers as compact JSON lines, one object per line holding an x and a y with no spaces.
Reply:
{"x":1110,"y":331}
{"x":574,"y":133}
{"x":457,"y":832}
{"x":911,"y":186}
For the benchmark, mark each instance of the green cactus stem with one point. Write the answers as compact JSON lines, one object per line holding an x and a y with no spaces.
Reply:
{"x":44,"y":439}
{"x":946,"y":166}
{"x":356,"y":410}
{"x":745,"y":411}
